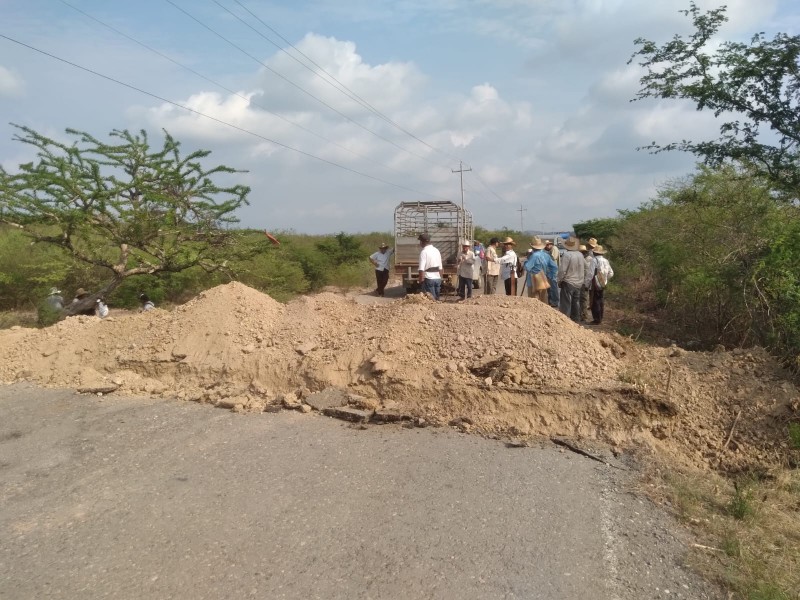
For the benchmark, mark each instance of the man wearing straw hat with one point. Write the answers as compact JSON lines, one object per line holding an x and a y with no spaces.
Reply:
{"x":539,"y":261}
{"x":601,"y":273}
{"x":571,"y":273}
{"x":508,"y":266}
{"x":380,"y":260}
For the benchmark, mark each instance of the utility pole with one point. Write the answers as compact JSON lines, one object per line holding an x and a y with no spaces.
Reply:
{"x":460,"y":172}
{"x":521,"y":210}
{"x":542,"y":224}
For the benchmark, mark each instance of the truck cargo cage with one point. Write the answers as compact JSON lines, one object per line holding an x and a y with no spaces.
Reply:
{"x":444,"y":221}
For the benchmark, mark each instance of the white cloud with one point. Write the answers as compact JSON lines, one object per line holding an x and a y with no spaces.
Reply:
{"x":11,"y":84}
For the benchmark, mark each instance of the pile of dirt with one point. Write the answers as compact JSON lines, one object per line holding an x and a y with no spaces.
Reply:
{"x":493,"y":364}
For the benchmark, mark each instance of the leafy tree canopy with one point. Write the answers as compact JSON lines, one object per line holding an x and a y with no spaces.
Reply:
{"x":755,"y":87}
{"x":122,"y":205}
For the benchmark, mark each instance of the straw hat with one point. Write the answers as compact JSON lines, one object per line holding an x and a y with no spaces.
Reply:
{"x":537,"y":244}
{"x":383,"y":245}
{"x":80,"y":293}
{"x":508,"y":240}
{"x":582,"y":248}
{"x":572,"y":243}
{"x":466,"y":243}
{"x":54,"y":291}
{"x":591,"y":243}
{"x":599,"y":250}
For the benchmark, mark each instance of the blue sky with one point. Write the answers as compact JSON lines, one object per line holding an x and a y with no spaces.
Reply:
{"x":533,"y":95}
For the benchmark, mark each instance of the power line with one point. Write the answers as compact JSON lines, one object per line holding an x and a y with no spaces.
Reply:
{"x":293,"y":84}
{"x":342,"y":87}
{"x":215,"y":119}
{"x":230,"y":91}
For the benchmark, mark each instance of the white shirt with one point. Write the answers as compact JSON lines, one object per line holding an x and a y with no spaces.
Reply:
{"x":465,"y":264}
{"x":508,"y":264}
{"x":603,"y":266}
{"x":101,"y":310}
{"x":492,"y":268}
{"x":382,"y":258}
{"x":430,"y":257}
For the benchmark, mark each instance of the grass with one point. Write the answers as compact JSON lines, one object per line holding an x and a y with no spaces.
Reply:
{"x":794,"y":435}
{"x":13,"y":318}
{"x":748,"y":530}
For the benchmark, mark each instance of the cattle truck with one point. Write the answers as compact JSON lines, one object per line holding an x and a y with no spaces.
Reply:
{"x":444,"y":221}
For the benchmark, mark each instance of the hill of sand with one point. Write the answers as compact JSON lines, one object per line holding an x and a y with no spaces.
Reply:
{"x":494,"y":365}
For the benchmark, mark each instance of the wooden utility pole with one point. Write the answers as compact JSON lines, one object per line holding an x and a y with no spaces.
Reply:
{"x":521,"y":210}
{"x":460,"y":172}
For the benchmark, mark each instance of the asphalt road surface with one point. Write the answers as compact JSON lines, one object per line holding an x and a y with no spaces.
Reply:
{"x":137,"y":498}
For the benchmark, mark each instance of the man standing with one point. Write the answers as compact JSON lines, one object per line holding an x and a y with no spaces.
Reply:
{"x":380,"y":260}
{"x":590,"y":246}
{"x":601,"y":273}
{"x":478,"y":266}
{"x":539,"y":261}
{"x":571,"y":272}
{"x":430,"y":267}
{"x":492,"y":267}
{"x":553,"y":293}
{"x":466,"y":261}
{"x":55,"y":300}
{"x":508,"y":266}
{"x":585,"y":303}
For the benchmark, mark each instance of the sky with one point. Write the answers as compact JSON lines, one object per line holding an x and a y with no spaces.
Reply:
{"x":338,"y":110}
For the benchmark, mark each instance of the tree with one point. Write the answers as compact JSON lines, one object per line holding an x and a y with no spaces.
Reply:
{"x":601,"y":229}
{"x":123,"y":206}
{"x":756,"y":87}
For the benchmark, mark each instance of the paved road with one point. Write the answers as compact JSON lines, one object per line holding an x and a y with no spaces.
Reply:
{"x":132,"y":498}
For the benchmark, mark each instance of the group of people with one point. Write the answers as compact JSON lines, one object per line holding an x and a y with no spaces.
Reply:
{"x":572,"y":278}
{"x":55,"y":301}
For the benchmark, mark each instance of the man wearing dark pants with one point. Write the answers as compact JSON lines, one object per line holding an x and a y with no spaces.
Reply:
{"x":380,"y":260}
{"x":571,"y":274}
{"x":430,"y":267}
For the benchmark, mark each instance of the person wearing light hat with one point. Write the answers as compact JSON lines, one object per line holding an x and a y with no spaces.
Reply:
{"x":587,"y":288}
{"x":430,"y":267}
{"x":586,"y":301}
{"x":492,"y":267}
{"x":465,"y":262}
{"x":55,"y":300}
{"x":508,"y":266}
{"x":571,"y":274}
{"x":539,"y":261}
{"x":553,"y":294}
{"x":601,"y":274}
{"x":80,"y":294}
{"x":380,"y":260}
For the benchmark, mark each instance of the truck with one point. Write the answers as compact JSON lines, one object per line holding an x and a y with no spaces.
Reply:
{"x":446,"y":223}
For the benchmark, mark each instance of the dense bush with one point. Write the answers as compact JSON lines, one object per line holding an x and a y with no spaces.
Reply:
{"x":718,"y":256}
{"x":302,"y":263}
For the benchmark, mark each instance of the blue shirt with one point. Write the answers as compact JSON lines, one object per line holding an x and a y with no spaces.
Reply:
{"x":541,"y":261}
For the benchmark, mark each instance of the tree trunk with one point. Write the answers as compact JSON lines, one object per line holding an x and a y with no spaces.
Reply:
{"x":85,"y":304}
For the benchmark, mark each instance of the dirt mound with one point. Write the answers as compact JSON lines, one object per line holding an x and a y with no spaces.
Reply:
{"x":493,"y":364}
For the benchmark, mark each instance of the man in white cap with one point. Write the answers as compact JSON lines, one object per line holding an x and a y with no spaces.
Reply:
{"x":380,"y":260}
{"x":571,"y":273}
{"x":55,"y":300}
{"x":465,"y":262}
